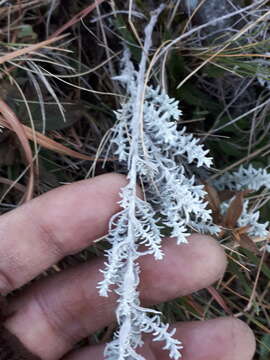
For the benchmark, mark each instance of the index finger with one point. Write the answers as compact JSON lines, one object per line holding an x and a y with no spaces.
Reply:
{"x":63,"y":221}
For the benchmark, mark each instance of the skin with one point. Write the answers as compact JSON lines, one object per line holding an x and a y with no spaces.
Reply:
{"x":51,"y":315}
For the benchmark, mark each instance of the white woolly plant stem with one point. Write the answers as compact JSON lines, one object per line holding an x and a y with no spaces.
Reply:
{"x":136,"y":125}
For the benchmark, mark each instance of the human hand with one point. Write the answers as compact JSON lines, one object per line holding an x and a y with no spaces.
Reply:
{"x":51,"y":315}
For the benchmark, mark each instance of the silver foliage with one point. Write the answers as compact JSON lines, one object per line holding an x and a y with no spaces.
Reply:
{"x":149,"y":142}
{"x":244,"y":178}
{"x":161,"y":151}
{"x":146,"y":140}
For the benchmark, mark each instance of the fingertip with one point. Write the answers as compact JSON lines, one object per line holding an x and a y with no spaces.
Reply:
{"x":243,"y":339}
{"x":85,"y":207}
{"x":185,"y":268}
{"x":115,"y":180}
{"x":212,"y":256}
{"x":225,"y":338}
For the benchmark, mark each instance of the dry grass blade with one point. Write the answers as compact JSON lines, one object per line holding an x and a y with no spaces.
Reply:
{"x":13,"y":184}
{"x":48,"y":143}
{"x":197,"y":307}
{"x":28,"y":49}
{"x":219,"y":299}
{"x":232,"y":40}
{"x":13,"y":122}
{"x":19,"y":6}
{"x":253,"y":294}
